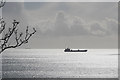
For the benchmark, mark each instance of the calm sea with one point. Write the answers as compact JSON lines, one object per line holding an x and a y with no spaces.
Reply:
{"x":55,"y":63}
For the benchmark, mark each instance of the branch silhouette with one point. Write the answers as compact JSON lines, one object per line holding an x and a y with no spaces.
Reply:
{"x":2,"y":3}
{"x":7,"y":34}
{"x":18,"y":36}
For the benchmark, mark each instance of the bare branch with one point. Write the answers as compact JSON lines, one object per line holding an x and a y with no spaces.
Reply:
{"x":2,"y":27}
{"x":18,"y":37}
{"x":4,"y":41}
{"x":2,"y":3}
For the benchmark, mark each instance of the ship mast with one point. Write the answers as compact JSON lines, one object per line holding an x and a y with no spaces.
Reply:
{"x":66,"y":44}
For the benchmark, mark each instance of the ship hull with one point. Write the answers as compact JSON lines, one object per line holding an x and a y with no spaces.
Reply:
{"x":76,"y":51}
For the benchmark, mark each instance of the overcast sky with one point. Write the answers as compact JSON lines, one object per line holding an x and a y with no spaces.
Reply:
{"x":67,"y":24}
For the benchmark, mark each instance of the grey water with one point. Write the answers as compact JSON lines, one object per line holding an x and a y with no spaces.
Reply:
{"x":55,"y":63}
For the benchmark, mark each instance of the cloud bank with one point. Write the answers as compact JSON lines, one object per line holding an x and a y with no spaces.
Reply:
{"x":67,"y":25}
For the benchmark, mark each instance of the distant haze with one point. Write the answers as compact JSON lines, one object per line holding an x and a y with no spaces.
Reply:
{"x":67,"y":24}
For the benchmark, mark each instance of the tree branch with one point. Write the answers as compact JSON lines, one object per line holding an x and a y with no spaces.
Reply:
{"x":4,"y":41}
{"x":18,"y":37}
{"x":2,"y":3}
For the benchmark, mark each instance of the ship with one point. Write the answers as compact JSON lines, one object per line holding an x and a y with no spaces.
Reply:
{"x":70,"y":50}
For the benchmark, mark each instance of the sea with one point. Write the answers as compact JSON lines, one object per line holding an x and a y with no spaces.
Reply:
{"x":55,"y":63}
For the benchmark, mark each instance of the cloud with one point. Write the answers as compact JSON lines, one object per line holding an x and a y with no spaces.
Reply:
{"x":66,"y":25}
{"x":86,"y":24}
{"x":73,"y":19}
{"x":112,"y":25}
{"x":97,"y":29}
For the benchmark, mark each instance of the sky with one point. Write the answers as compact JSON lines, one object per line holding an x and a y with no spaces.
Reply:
{"x":66,"y":24}
{"x":62,"y":0}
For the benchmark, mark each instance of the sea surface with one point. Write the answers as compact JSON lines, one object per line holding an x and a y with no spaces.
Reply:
{"x":55,"y":63}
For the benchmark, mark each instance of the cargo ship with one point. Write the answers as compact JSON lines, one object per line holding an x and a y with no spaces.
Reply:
{"x":70,"y":50}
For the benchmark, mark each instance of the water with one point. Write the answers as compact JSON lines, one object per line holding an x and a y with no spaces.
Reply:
{"x":55,"y":63}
